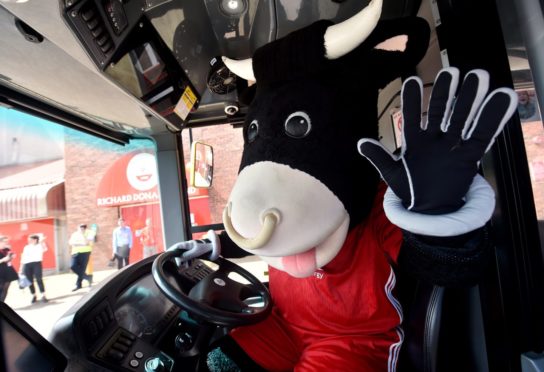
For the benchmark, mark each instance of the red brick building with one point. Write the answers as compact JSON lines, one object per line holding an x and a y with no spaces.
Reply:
{"x":87,"y":160}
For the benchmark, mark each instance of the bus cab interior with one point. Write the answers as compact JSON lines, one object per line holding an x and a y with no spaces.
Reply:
{"x":125,"y":70}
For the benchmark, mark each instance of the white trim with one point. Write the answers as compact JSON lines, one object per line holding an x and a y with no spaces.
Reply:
{"x":478,"y":208}
{"x":394,"y":351}
{"x":389,"y":286}
{"x":454,"y":73}
{"x":410,"y":183}
{"x":512,"y":107}
{"x":379,"y":144}
{"x":483,"y":87}
{"x":417,"y":80}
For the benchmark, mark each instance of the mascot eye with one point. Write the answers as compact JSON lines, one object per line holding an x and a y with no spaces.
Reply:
{"x":298,"y":125}
{"x":252,"y":130}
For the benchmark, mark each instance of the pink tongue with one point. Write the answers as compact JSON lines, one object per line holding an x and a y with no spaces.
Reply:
{"x":300,"y":265}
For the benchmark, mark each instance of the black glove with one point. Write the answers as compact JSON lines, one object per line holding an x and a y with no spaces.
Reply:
{"x":440,"y":156}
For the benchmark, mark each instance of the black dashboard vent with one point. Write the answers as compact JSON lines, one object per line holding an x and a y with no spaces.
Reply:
{"x":97,"y":322}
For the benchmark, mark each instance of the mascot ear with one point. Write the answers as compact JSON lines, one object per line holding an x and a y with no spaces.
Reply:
{"x":397,"y":47}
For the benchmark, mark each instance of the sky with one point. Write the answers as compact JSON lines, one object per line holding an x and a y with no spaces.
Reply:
{"x":26,"y":139}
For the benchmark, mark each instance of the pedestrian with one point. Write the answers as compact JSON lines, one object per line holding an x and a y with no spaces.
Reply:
{"x":121,"y":243}
{"x":527,"y":108}
{"x":7,"y":272}
{"x":147,"y":238}
{"x":31,"y":265}
{"x":81,"y":241}
{"x":92,"y":233}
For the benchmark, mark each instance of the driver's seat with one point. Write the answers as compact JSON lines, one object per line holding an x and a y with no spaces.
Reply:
{"x":443,"y":329}
{"x":421,"y":325}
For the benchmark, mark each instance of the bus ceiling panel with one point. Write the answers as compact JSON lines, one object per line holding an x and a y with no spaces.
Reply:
{"x":236,"y":28}
{"x":295,"y":14}
{"x":241,"y":26}
{"x":44,"y":17}
{"x":149,"y":48}
{"x":131,"y":40}
{"x":59,"y":73}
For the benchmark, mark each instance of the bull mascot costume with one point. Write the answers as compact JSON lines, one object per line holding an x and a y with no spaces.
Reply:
{"x":310,"y":199}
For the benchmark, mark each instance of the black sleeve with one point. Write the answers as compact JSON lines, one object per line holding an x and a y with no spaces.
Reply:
{"x":229,"y":249}
{"x":457,"y":261}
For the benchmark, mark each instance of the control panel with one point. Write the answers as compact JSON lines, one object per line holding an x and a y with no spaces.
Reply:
{"x":127,"y":352}
{"x":113,"y":31}
{"x":196,"y":271}
{"x":116,"y":15}
{"x":102,"y":25}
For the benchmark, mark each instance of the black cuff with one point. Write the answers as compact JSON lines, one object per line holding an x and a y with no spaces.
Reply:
{"x":449,"y":262}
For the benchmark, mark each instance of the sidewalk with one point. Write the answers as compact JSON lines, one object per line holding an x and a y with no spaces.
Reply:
{"x":58,"y":287}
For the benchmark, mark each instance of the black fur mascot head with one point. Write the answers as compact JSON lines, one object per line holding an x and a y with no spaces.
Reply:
{"x":302,"y":183}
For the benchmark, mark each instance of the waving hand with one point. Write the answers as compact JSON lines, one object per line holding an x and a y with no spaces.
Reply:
{"x":439,"y":156}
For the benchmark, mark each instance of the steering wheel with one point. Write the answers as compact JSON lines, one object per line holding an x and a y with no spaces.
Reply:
{"x":216,"y":298}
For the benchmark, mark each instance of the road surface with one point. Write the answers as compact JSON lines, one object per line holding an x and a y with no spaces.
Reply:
{"x":58,"y":287}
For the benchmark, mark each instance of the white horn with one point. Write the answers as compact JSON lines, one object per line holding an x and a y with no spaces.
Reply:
{"x":269,"y":224}
{"x":342,"y":38}
{"x":242,"y":68}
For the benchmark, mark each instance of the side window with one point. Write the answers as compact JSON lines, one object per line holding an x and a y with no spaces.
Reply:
{"x":206,"y":204}
{"x":533,"y":136}
{"x":529,"y":110}
{"x":54,"y":179}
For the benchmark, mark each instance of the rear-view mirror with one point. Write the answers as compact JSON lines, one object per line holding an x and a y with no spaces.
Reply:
{"x":201,"y":165}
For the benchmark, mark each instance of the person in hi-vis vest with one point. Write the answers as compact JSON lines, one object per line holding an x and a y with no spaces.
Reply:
{"x":81,"y":242}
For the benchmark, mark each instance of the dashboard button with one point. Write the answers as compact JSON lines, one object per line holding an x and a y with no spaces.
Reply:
{"x":120,"y":347}
{"x":93,"y":23}
{"x":102,"y":40}
{"x":130,"y":336}
{"x":124,"y":341}
{"x":87,"y":15}
{"x":114,"y":354}
{"x":106,"y":47}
